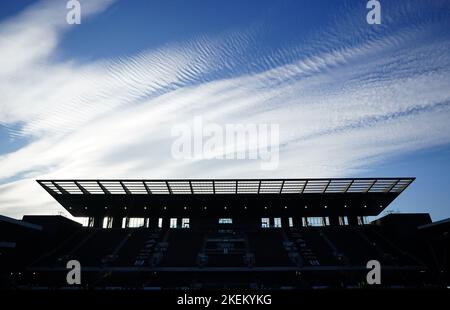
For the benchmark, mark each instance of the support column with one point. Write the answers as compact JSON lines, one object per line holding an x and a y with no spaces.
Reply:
{"x":153,"y":222}
{"x":164,"y":222}
{"x":193,"y":223}
{"x":297,"y":222}
{"x":306,"y":220}
{"x":334,"y":220}
{"x":285,"y":222}
{"x":352,"y":220}
{"x":117,"y":222}
{"x":98,"y":221}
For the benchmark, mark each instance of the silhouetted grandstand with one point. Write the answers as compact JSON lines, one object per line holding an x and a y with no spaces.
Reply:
{"x":280,"y":234}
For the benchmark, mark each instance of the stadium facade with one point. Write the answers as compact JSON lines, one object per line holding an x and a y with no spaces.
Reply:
{"x":225,"y":233}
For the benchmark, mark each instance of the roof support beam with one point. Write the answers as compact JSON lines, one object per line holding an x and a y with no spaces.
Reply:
{"x":104,"y":189}
{"x":81,"y":188}
{"x":146,"y":188}
{"x":304,"y":186}
{"x":168,"y":187}
{"x":349,"y":185}
{"x":326,"y":186}
{"x":49,"y":190}
{"x":125,"y":188}
{"x":282,"y":185}
{"x":371,"y":185}
{"x":60,"y":188}
{"x":190,"y":186}
{"x":392,"y":186}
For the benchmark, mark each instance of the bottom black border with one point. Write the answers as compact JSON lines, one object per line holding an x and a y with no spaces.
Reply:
{"x":352,"y":299}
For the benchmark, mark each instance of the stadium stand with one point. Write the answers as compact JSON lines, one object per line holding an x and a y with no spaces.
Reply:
{"x":273,"y":246}
{"x":183,"y":248}
{"x":267,"y":245}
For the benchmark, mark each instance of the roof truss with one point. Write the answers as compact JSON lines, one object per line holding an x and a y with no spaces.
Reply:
{"x":226,"y":186}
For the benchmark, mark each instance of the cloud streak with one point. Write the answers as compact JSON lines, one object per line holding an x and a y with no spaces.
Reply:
{"x":342,"y":105}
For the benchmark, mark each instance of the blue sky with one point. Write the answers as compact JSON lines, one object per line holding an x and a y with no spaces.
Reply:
{"x":100,"y":99}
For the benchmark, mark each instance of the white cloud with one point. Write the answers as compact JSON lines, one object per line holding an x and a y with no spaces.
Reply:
{"x":340,"y":110}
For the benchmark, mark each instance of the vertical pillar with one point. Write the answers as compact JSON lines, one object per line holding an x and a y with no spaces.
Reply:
{"x":153,"y":222}
{"x":306,"y":221}
{"x":334,"y":220}
{"x":297,"y":222}
{"x":117,"y":222}
{"x":98,"y":221}
{"x":193,"y":222}
{"x":352,"y":220}
{"x":285,"y":222}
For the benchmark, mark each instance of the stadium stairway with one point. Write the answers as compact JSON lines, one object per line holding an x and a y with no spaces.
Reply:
{"x":111,"y":258}
{"x":338,"y":255}
{"x":306,"y":254}
{"x":292,"y":248}
{"x":313,"y":247}
{"x":127,"y":252}
{"x":145,"y":254}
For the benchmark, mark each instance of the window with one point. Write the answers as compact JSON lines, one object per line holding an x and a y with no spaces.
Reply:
{"x":265,"y":222}
{"x":185,"y":223}
{"x":326,"y":221}
{"x":305,"y":221}
{"x":361,"y":220}
{"x":91,"y":222}
{"x":291,"y":222}
{"x":160,"y":222}
{"x":173,"y":223}
{"x":107,"y":222}
{"x":343,"y":220}
{"x":277,"y":222}
{"x":135,"y":222}
{"x":225,"y":221}
{"x":315,"y":221}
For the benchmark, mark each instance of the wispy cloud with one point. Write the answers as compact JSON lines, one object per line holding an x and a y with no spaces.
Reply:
{"x":344,"y":102}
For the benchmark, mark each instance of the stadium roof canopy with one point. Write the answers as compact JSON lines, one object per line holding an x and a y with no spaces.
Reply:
{"x":84,"y":197}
